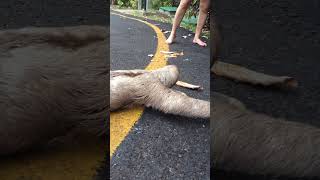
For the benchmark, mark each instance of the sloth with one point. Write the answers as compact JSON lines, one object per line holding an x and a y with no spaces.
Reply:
{"x":252,"y":143}
{"x":152,"y":89}
{"x":54,"y":81}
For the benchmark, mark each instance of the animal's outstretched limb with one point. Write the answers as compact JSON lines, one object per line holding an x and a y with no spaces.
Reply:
{"x":239,"y":73}
{"x":245,"y":75}
{"x":169,"y":101}
{"x":71,"y":37}
{"x":253,"y":143}
{"x":189,"y":86}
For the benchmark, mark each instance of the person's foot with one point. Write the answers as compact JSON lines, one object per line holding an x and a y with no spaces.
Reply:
{"x":170,"y":39}
{"x":199,"y":42}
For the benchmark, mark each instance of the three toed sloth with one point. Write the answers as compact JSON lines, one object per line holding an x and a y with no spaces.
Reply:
{"x":253,"y":143}
{"x":55,"y":80}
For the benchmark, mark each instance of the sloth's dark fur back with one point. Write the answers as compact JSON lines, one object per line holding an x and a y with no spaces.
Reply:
{"x":254,"y":143}
{"x":49,"y":87}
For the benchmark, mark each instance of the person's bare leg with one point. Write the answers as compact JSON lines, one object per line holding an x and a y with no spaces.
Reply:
{"x":203,"y":13}
{"x":183,"y":6}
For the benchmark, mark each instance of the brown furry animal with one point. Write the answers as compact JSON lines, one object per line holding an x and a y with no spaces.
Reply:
{"x":56,"y":80}
{"x":252,"y":143}
{"x":152,"y":89}
{"x":238,"y":73}
{"x":52,"y":81}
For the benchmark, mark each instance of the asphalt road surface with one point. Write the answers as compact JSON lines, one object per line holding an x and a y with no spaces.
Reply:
{"x":161,"y":146}
{"x":274,"y":37}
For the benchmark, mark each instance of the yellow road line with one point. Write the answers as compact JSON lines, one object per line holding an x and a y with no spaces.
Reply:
{"x":121,"y":122}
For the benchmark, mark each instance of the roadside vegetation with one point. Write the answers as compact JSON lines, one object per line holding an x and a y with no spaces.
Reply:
{"x":131,"y":7}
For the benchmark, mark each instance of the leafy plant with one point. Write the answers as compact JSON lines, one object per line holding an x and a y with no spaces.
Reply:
{"x":156,"y":4}
{"x":194,"y":11}
{"x":127,"y":3}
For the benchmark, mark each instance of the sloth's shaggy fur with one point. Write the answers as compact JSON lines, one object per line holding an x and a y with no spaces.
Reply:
{"x":52,"y":81}
{"x":152,"y":89}
{"x":252,"y":143}
{"x":56,"y":80}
